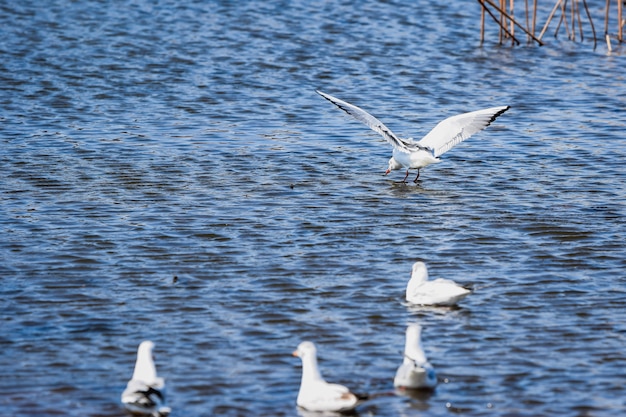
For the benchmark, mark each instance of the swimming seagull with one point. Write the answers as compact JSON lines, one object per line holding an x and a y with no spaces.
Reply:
{"x":410,"y":154}
{"x":415,"y":372}
{"x":144,"y":393}
{"x":318,"y":395}
{"x":442,"y":292}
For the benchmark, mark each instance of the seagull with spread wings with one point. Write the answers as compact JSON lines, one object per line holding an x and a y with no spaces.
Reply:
{"x":410,"y":154}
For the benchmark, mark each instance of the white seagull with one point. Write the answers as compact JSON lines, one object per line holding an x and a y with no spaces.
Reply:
{"x":144,"y":393}
{"x":410,"y":154}
{"x":442,"y":292}
{"x":318,"y":395}
{"x":415,"y":372}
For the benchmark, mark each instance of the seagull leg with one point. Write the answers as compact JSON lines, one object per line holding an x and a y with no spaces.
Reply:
{"x":405,"y":177}
{"x":418,"y":175}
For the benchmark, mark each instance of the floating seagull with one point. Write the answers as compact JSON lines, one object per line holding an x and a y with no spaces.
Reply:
{"x":415,"y":372}
{"x":144,"y":393}
{"x":410,"y":154}
{"x":443,"y":292}
{"x":318,"y":395}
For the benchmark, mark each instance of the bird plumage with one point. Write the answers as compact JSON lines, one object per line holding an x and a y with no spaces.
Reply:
{"x":144,"y":393}
{"x":315,"y":393}
{"x":411,"y":154}
{"x":415,"y":372}
{"x":443,"y":292}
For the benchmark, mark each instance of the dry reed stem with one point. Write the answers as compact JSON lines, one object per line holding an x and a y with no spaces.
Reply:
{"x":502,"y":28}
{"x":527,"y":19}
{"x":620,"y":23}
{"x":534,"y":16}
{"x":501,"y":22}
{"x":513,"y":20}
{"x":564,"y":19}
{"x":482,"y":22}
{"x":580,"y":22}
{"x":593,"y":29}
{"x":545,"y":27}
{"x":558,"y":26}
{"x":574,"y":19}
{"x":511,"y":24}
{"x":606,"y":17}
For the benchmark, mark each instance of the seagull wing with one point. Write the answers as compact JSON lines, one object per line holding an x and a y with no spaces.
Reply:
{"x":456,"y":129}
{"x":142,"y":395}
{"x":338,"y":398}
{"x":373,"y":123}
{"x":322,"y":396}
{"x":438,"y":292}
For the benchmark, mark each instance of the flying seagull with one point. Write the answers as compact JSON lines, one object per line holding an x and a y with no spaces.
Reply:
{"x":410,"y":154}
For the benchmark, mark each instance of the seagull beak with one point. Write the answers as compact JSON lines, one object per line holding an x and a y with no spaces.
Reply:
{"x":295,"y":353}
{"x":388,"y":171}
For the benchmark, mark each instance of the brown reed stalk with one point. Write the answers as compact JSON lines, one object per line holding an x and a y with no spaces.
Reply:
{"x":572,"y":33}
{"x":513,"y":20}
{"x":620,"y":23}
{"x":495,"y":19}
{"x":482,"y":22}
{"x":534,"y":16}
{"x":545,"y":27}
{"x":593,"y":29}
{"x":511,"y":13}
{"x":606,"y":17}
{"x":573,"y":13}
{"x":527,"y":19}
{"x":564,"y":19}
{"x":507,"y":21}
{"x":580,"y":22}
{"x":501,"y":22}
{"x":558,"y":26}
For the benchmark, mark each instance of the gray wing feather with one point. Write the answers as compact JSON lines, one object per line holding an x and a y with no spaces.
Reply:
{"x":373,"y":123}
{"x":456,"y":129}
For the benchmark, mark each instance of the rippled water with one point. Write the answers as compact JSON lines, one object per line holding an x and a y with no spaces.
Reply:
{"x":168,"y":172}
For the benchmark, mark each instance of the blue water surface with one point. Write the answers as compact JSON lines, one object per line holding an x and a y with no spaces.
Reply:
{"x":169,"y":173}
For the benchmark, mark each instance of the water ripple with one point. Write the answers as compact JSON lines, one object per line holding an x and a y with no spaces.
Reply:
{"x":170,"y":173}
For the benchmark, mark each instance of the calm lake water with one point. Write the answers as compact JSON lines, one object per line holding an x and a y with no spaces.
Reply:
{"x":169,"y":173}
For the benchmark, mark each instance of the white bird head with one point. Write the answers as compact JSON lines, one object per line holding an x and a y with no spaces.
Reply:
{"x":419,"y":272}
{"x":305,"y":350}
{"x":393,"y":165}
{"x":308,"y":353}
{"x":419,"y":275}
